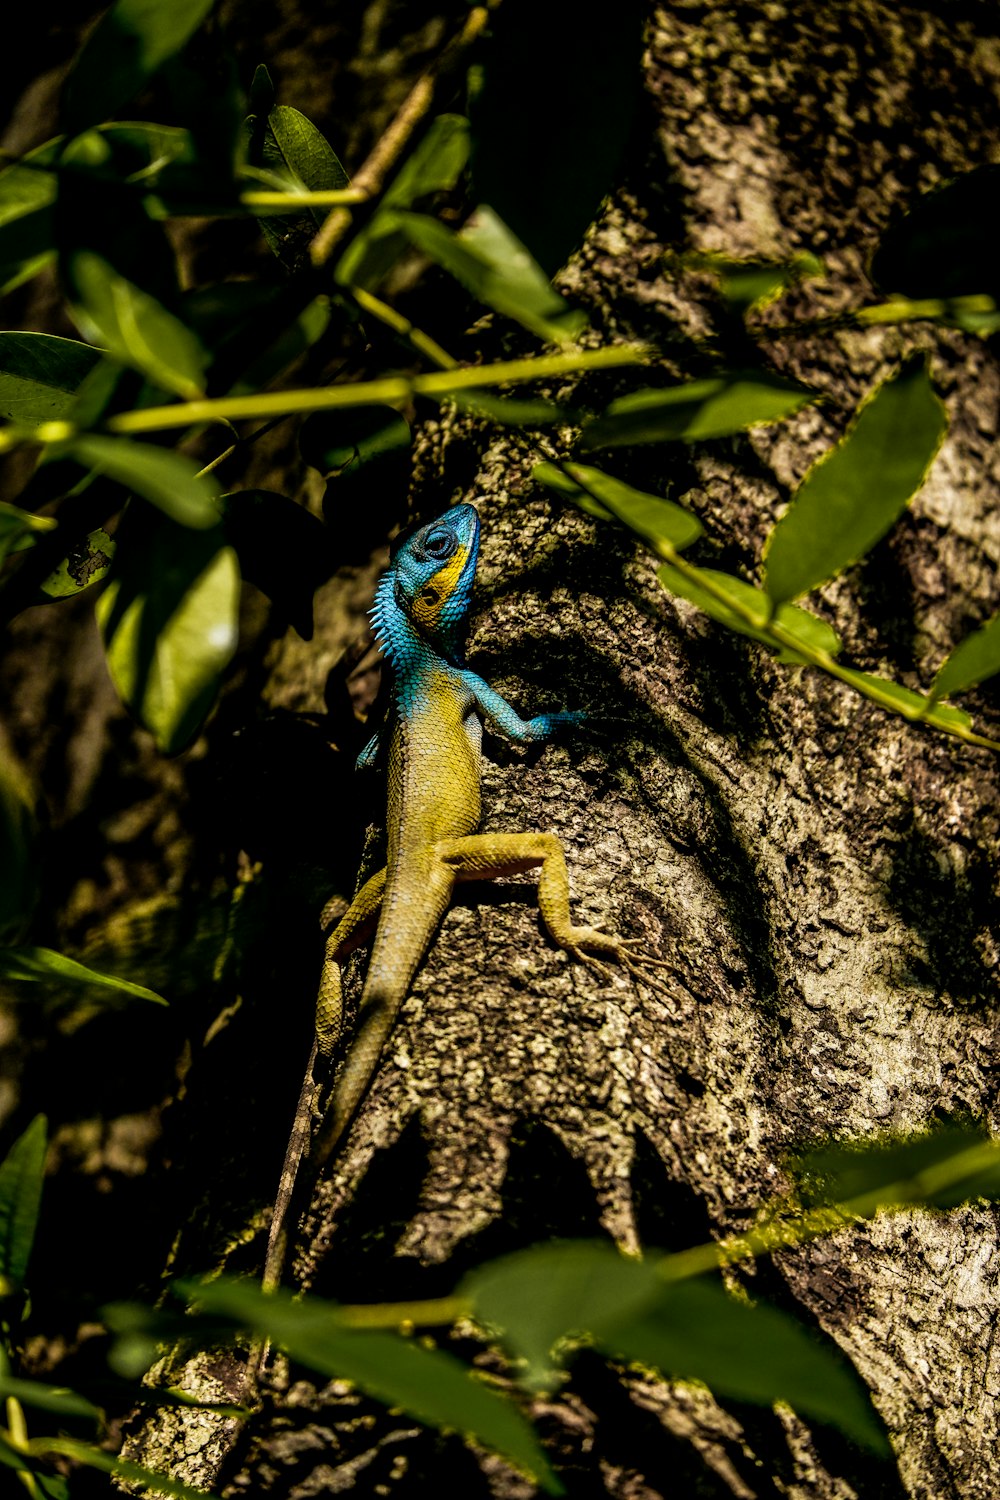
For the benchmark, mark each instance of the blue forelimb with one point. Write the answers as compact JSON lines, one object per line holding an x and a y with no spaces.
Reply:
{"x":499,"y":713}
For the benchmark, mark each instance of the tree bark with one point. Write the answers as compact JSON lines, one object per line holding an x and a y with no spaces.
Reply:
{"x":819,"y":876}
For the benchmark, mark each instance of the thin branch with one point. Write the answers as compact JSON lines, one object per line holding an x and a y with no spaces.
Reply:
{"x":369,"y":179}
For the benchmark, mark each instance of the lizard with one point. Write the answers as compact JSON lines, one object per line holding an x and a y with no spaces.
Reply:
{"x":432,"y":741}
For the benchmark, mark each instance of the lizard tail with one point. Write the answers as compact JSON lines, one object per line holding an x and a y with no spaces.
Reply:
{"x":375,"y":1021}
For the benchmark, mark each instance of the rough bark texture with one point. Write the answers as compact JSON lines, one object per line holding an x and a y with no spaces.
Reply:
{"x":821,"y":877}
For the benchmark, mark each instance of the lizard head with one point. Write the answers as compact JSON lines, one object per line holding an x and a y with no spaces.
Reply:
{"x":433,"y":570}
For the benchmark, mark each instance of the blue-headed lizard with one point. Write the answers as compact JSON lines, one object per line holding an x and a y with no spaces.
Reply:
{"x":432,"y":738}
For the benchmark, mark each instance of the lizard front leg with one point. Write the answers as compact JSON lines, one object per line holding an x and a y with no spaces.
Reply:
{"x":486,"y":855}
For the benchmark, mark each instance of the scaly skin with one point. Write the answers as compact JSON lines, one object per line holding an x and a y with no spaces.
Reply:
{"x":434,"y":736}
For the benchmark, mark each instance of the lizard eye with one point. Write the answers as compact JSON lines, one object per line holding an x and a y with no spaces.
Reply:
{"x":440,"y":543}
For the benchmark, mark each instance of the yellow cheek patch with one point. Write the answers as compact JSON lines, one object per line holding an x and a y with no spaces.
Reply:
{"x":427,"y":606}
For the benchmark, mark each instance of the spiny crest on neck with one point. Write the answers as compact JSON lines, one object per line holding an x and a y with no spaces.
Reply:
{"x":423,"y":600}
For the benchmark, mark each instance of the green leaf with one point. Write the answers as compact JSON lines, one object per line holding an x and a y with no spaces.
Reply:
{"x":133,"y":326}
{"x":130,"y":42}
{"x":169,"y":480}
{"x":22,"y":1173}
{"x":283,"y":550}
{"x":19,"y":528}
{"x":857,"y":490}
{"x":295,"y":155}
{"x":813,"y":633}
{"x":54,"y":1398}
{"x":512,"y":411}
{"x":668,"y":528}
{"x":971,"y":662}
{"x":435,"y":166}
{"x":306,"y":151}
{"x":338,"y":440}
{"x":39,"y":374}
{"x":497,"y":269}
{"x":10,"y":1456}
{"x":299,"y":335}
{"x":43,"y":963}
{"x":18,"y":849}
{"x":944,"y":246}
{"x":939,"y":1168}
{"x":541,"y":1296}
{"x":169,"y":621}
{"x":98,"y":214}
{"x":746,"y":284}
{"x":88,"y":562}
{"x":755,"y":1353}
{"x":122,"y":1468}
{"x":30,"y":184}
{"x":552,"y":116}
{"x":697,"y":410}
{"x":27,"y":230}
{"x":428,"y":1383}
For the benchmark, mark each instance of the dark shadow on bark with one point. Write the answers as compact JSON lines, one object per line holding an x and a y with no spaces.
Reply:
{"x":949,"y":911}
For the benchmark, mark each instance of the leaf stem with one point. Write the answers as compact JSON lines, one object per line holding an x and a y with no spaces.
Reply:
{"x":399,"y":324}
{"x":369,"y":179}
{"x":391,"y":389}
{"x":256,"y":198}
{"x":895,"y":310}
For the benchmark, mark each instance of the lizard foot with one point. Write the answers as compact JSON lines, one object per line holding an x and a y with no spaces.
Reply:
{"x":630,"y":953}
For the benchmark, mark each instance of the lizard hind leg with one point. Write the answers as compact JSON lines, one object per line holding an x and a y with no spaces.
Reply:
{"x":484,"y":855}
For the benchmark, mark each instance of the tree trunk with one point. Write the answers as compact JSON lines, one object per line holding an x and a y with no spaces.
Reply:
{"x":819,"y":876}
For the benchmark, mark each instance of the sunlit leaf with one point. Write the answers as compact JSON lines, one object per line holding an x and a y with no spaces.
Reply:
{"x":492,"y":265}
{"x":169,"y":480}
{"x":656,"y":520}
{"x":428,"y":1383}
{"x":852,"y":496}
{"x":434,"y":166}
{"x":10,"y":1456}
{"x":939,"y":1168}
{"x":18,"y":851}
{"x":45,"y":964}
{"x":130,"y":42}
{"x":169,"y":618}
{"x":971,"y":662}
{"x":87,"y":563}
{"x":39,"y":375}
{"x":21,"y":1175}
{"x":54,"y":1398}
{"x":541,"y":1296}
{"x":697,"y":1331}
{"x":945,"y":245}
{"x":812,"y":632}
{"x":544,"y":156}
{"x":697,"y":410}
{"x":133,"y":326}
